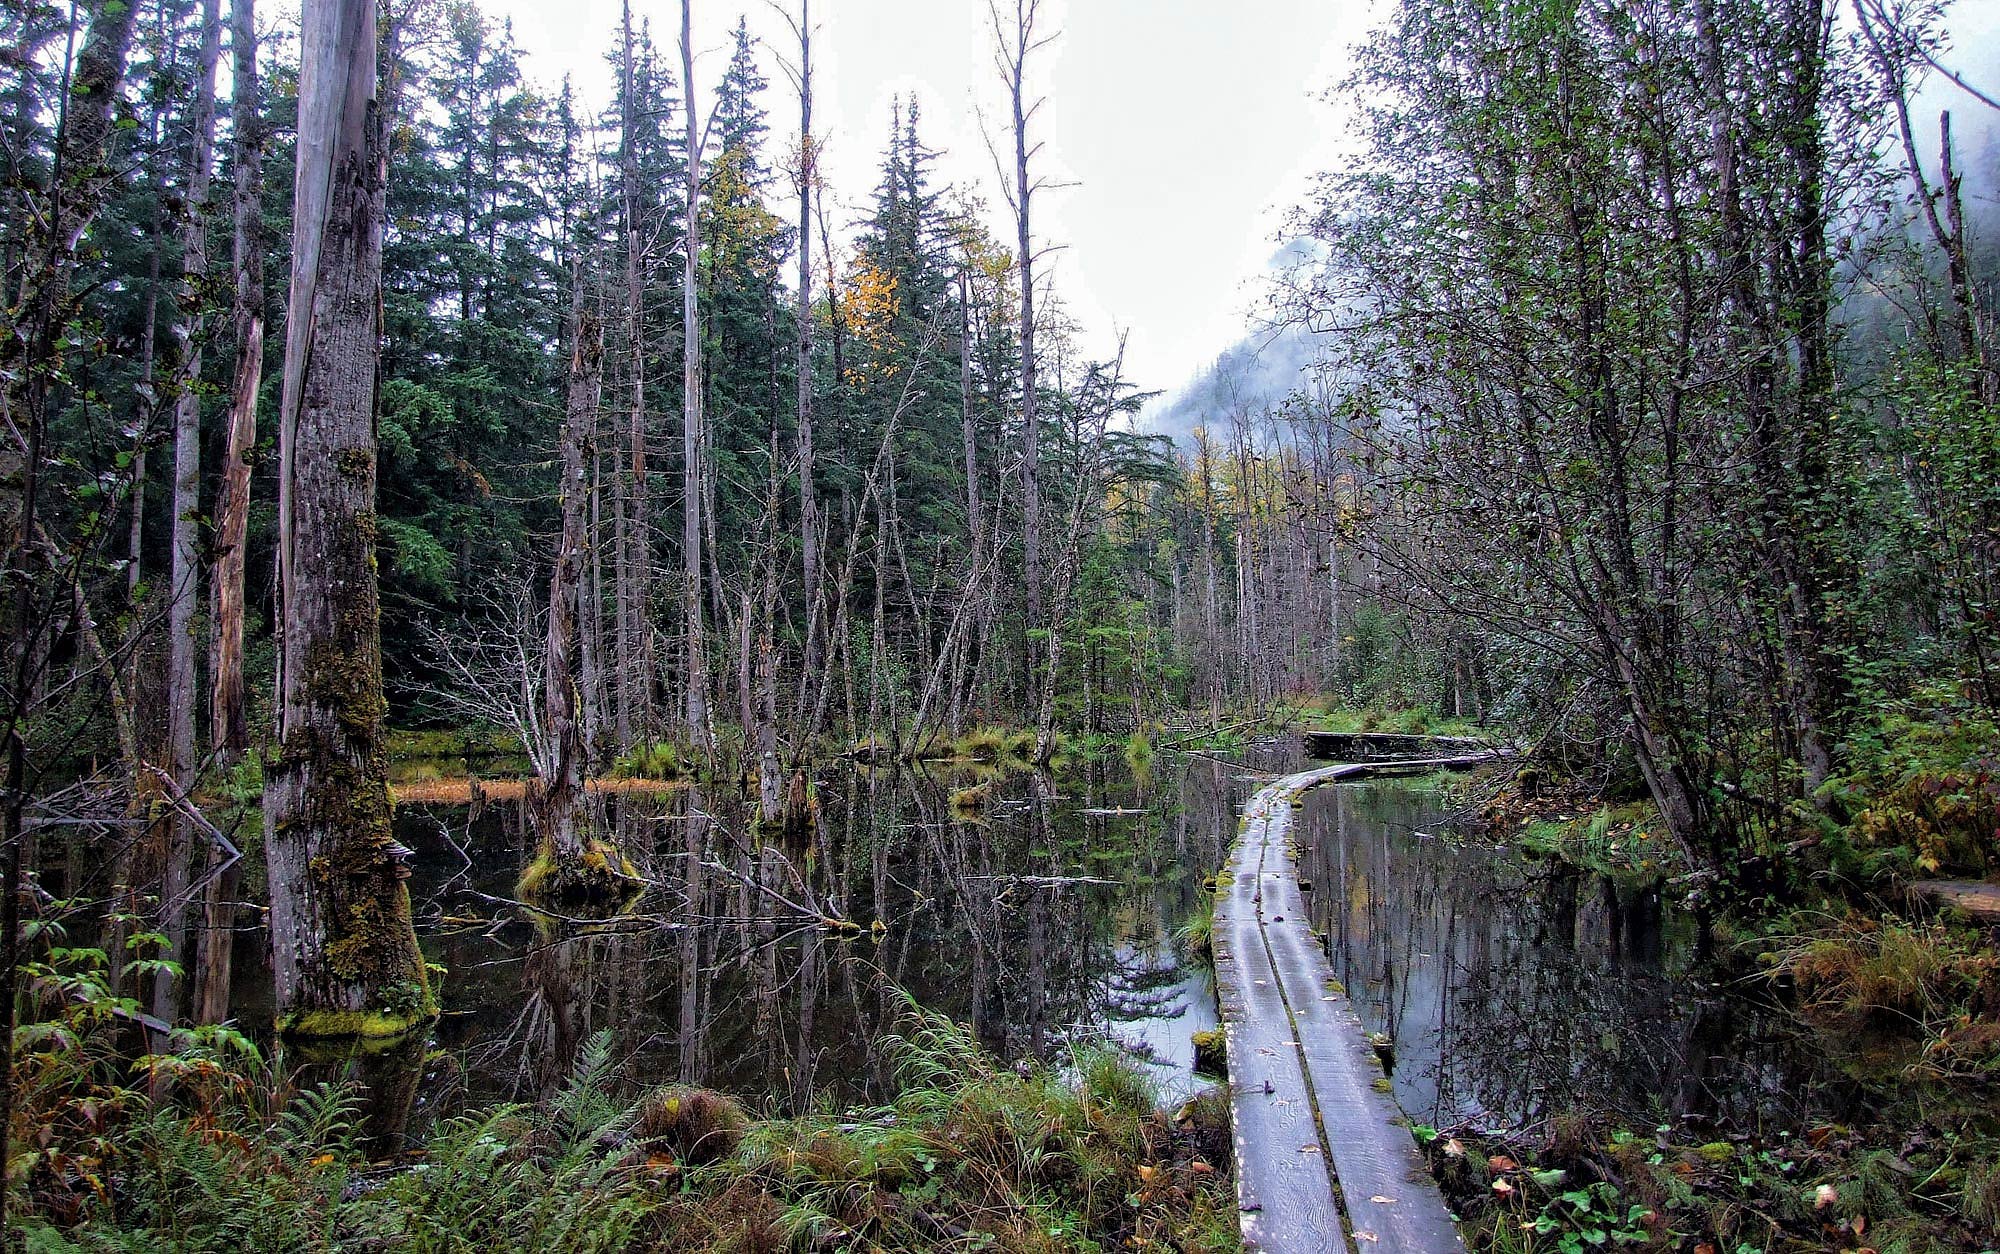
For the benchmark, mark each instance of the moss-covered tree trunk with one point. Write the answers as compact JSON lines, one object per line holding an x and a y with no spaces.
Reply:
{"x":345,"y":955}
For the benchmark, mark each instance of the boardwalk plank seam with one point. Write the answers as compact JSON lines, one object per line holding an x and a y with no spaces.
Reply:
{"x":1324,"y":1161}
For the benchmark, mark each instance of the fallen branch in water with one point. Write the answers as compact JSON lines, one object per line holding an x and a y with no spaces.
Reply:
{"x":1042,"y":881}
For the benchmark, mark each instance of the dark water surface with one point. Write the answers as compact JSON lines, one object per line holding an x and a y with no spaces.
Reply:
{"x":1515,"y":988}
{"x":1045,"y":919}
{"x":1511,"y":989}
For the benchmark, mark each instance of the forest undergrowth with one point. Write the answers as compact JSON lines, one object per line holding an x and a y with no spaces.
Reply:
{"x":203,"y":1146}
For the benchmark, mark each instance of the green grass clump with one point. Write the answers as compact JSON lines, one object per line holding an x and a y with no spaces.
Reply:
{"x":656,"y":761}
{"x":1195,"y":937}
{"x":1611,"y":840}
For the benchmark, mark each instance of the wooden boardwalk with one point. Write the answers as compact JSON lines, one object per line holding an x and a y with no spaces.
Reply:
{"x":1324,"y":1160}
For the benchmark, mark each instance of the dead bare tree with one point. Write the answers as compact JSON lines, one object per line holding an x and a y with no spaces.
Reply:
{"x":634,"y":633}
{"x":1015,"y":40}
{"x":696,"y":709}
{"x":229,"y":729}
{"x":184,"y":582}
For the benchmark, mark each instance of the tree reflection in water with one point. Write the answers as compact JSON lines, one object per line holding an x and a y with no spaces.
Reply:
{"x":1514,"y":989}
{"x":772,"y":964}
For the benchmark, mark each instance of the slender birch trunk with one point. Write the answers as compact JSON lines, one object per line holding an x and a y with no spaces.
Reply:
{"x":184,"y":584}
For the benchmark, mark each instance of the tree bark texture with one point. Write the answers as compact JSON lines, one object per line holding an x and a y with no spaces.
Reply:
{"x":345,"y":954}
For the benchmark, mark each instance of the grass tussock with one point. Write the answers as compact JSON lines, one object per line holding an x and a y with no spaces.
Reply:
{"x":1928,"y":986}
{"x":994,"y":746}
{"x":1195,"y":937}
{"x":660,"y":761}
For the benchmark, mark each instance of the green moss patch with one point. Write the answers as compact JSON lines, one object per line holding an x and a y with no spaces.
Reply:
{"x":601,"y":875}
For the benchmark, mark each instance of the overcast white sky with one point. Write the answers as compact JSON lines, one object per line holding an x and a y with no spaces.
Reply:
{"x":1185,"y":127}
{"x":1182,"y":125}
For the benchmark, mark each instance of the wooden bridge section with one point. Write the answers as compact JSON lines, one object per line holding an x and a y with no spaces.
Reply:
{"x":1324,"y":1160}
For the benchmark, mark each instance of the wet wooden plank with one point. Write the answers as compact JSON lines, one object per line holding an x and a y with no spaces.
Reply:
{"x":1978,"y":900}
{"x":1324,"y":1161}
{"x":1354,"y":747}
{"x":1284,"y":1184}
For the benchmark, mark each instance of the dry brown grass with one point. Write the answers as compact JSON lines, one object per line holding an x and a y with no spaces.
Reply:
{"x":459,"y":791}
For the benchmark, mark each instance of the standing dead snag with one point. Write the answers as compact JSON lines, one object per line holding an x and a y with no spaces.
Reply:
{"x":566,"y":865}
{"x":345,"y":955}
{"x":1012,"y":49}
{"x":184,"y":586}
{"x":229,"y":723}
{"x":691,"y":409}
{"x":228,"y":718}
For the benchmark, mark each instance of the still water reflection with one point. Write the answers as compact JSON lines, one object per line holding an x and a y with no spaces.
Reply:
{"x":1514,"y":988}
{"x":1045,"y":917}
{"x":1509,"y":989}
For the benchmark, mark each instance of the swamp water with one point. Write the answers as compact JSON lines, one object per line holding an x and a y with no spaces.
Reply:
{"x":1510,"y":989}
{"x":1513,"y":989}
{"x":1045,"y":917}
